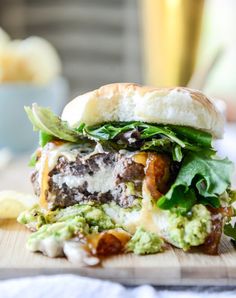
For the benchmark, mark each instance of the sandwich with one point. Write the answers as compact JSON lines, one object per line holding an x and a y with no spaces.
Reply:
{"x":128,"y":169}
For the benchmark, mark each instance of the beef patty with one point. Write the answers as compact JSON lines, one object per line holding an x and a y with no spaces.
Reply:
{"x":99,"y":177}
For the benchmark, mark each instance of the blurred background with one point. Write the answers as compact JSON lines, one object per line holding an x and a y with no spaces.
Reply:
{"x":146,"y":41}
{"x":98,"y":41}
{"x":91,"y":43}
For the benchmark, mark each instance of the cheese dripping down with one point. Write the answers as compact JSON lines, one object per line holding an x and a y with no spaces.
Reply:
{"x":148,"y":211}
{"x":44,"y":183}
{"x":49,"y":157}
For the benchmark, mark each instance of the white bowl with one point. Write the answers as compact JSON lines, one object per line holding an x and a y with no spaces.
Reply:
{"x":16,"y":131}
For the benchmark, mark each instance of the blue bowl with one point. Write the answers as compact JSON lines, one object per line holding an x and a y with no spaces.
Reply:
{"x":16,"y":131}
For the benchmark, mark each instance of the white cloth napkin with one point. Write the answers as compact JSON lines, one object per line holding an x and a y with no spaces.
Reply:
{"x":73,"y":286}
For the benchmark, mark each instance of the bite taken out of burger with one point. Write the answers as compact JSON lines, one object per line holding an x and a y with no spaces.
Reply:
{"x":128,"y":168}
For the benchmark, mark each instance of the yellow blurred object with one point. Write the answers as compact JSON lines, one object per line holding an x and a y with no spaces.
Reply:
{"x":171,"y":31}
{"x":13,"y":67}
{"x":4,"y":38}
{"x":30,"y":60}
{"x":12,"y":203}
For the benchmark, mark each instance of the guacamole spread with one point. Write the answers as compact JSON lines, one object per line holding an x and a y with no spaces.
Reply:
{"x":144,"y":242}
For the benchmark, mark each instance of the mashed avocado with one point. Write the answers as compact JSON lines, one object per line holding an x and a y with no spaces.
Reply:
{"x":186,"y":231}
{"x":50,"y":237}
{"x":93,"y":215}
{"x":144,"y":242}
{"x":53,"y":228}
{"x":59,"y":225}
{"x":33,"y":218}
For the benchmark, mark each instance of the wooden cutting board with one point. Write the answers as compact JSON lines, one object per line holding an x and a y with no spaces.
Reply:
{"x":172,"y":267}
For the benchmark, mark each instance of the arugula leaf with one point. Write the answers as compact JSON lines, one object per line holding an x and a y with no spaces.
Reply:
{"x":152,"y":136}
{"x":230,"y":230}
{"x":108,"y":131}
{"x":193,"y":135}
{"x":151,"y":130}
{"x":210,"y":177}
{"x":80,"y":128}
{"x":160,"y":145}
{"x":160,"y":138}
{"x":45,"y":120}
{"x":177,"y":153}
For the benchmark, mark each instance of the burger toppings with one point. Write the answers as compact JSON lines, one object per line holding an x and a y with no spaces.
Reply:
{"x":125,"y":187}
{"x":84,"y":224}
{"x":197,"y":169}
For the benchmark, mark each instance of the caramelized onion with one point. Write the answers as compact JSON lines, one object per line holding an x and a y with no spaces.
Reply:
{"x":57,"y":142}
{"x":157,"y":174}
{"x":108,"y":242}
{"x":89,"y":250}
{"x":213,"y":239}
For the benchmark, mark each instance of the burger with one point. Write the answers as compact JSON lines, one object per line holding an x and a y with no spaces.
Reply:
{"x":128,"y":169}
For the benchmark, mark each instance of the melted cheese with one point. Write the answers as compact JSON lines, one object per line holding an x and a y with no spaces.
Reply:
{"x":128,"y":219}
{"x":63,"y":150}
{"x":44,"y":183}
{"x":140,"y":157}
{"x":148,"y":217}
{"x":48,"y":160}
{"x":147,"y":212}
{"x":144,"y":217}
{"x":49,"y":157}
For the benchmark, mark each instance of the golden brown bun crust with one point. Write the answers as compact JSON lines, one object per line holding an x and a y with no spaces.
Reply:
{"x":129,"y":102}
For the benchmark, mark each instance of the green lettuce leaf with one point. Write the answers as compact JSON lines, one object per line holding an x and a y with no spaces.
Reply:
{"x":44,"y":120}
{"x":44,"y":138}
{"x":212,"y":174}
{"x":208,"y":178}
{"x":230,"y":230}
{"x":33,"y":160}
{"x":232,"y":195}
{"x":180,"y":198}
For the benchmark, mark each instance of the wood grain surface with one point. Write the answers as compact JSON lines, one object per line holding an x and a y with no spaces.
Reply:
{"x":173,"y":267}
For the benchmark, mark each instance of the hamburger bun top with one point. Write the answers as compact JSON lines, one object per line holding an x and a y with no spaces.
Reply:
{"x":131,"y":102}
